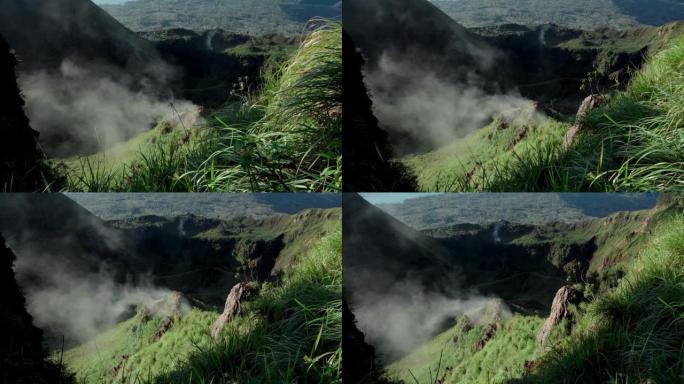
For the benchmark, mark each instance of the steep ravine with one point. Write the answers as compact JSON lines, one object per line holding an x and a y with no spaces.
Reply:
{"x":529,"y":281}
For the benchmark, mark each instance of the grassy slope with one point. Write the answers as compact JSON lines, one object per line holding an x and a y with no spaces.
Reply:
{"x":478,"y":160}
{"x":286,"y":137}
{"x":92,"y":362}
{"x":501,"y":358}
{"x":610,"y":334}
{"x":632,"y":144}
{"x":636,"y":332}
{"x":289,"y":332}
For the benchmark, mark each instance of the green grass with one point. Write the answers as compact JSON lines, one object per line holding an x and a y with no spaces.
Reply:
{"x":502,"y":357}
{"x":631,"y":331}
{"x":92,"y":362}
{"x":290,"y":332}
{"x":286,"y":137}
{"x":480,"y":160}
{"x":634,"y":143}
{"x":635,"y":333}
{"x":296,"y":143}
{"x":296,"y":336}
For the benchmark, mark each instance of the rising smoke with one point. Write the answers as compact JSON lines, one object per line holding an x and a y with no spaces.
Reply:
{"x":181,"y":227}
{"x":67,"y":270}
{"x":431,"y":80}
{"x":401,"y":319}
{"x":401,"y":286}
{"x":81,"y":306}
{"x":210,"y":40}
{"x":495,"y":233}
{"x":432,"y":110}
{"x":83,"y":109}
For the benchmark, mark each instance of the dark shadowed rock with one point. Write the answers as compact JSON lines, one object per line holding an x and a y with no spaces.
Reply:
{"x":46,"y":32}
{"x":22,"y":357}
{"x":19,"y":155}
{"x":367,"y":152}
{"x":358,"y":357}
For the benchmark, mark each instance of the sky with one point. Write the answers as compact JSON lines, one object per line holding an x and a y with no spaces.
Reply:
{"x":392,"y":198}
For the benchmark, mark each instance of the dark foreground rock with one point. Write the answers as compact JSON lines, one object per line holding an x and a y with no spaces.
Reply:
{"x":23,"y":359}
{"x":19,"y":155}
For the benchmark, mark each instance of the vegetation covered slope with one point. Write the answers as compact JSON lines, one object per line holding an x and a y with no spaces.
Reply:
{"x":284,"y":137}
{"x":624,"y":325}
{"x":289,"y":332}
{"x":632,"y":143}
{"x":635,"y":332}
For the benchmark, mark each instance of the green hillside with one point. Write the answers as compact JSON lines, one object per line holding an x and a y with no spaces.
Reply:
{"x":624,"y":318}
{"x":632,"y":143}
{"x":283,"y":136}
{"x":289,"y":332}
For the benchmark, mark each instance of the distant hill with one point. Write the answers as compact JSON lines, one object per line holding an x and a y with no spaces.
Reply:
{"x":520,"y":208}
{"x":215,"y":206}
{"x":254,"y":17}
{"x":582,"y":14}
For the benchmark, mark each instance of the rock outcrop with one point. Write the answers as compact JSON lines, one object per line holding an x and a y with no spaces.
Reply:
{"x":559,"y":311}
{"x":19,"y":155}
{"x":358,"y":358}
{"x":489,"y":332}
{"x":367,"y":160}
{"x":22,"y":357}
{"x":239,"y":293}
{"x":590,"y":102}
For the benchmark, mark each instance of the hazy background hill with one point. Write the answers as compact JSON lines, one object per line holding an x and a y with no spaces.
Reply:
{"x":210,"y":205}
{"x":254,"y":17}
{"x":441,"y":210}
{"x":582,"y":14}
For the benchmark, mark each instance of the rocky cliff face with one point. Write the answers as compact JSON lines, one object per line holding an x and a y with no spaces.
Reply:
{"x":19,"y":155}
{"x":358,"y":357}
{"x":22,"y":357}
{"x":46,"y":32}
{"x":367,"y":159}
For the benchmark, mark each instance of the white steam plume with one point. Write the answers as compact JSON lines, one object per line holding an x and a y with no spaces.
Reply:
{"x":418,"y":102}
{"x":495,"y":233}
{"x":70,"y":292}
{"x":406,"y":316}
{"x":181,"y":227}
{"x":210,"y":40}
{"x":81,"y":306}
{"x":81,"y":110}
